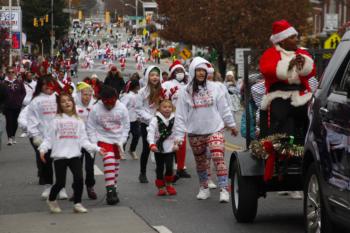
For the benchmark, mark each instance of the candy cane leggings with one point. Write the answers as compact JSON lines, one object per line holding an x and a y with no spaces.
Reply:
{"x":110,"y":163}
{"x":216,"y":145}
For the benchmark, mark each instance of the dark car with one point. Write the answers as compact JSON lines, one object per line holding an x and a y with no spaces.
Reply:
{"x":326,"y":165}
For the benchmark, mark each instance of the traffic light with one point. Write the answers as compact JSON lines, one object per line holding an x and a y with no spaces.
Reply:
{"x":46,"y":18}
{"x":42,"y":22}
{"x":80,"y":15}
{"x":35,"y":22}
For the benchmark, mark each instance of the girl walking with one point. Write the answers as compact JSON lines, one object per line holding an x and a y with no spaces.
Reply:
{"x":202,"y":111}
{"x":129,"y":100}
{"x":109,"y":125}
{"x":147,"y":104}
{"x":66,"y":137}
{"x":161,"y":140}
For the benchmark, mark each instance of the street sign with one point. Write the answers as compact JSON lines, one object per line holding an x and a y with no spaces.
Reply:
{"x":16,"y":22}
{"x":332,"y":41}
{"x":239,"y":58}
{"x":331,"y":22}
{"x":185,"y":54}
{"x":69,"y":11}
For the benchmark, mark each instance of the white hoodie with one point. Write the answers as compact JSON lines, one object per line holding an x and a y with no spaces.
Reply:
{"x":66,"y":137}
{"x":41,"y":111}
{"x":205,"y":112}
{"x":173,"y":87}
{"x":153,"y":133}
{"x":30,"y":88}
{"x":22,"y":119}
{"x":109,"y":126}
{"x":129,"y":100}
{"x":83,"y":111}
{"x":144,"y":110}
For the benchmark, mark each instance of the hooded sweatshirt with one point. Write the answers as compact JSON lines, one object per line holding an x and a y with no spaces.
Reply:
{"x":66,"y":137}
{"x":30,"y":88}
{"x":41,"y":111}
{"x":202,"y":113}
{"x":82,"y":110}
{"x":129,"y":100}
{"x":109,"y":126}
{"x":153,"y":134}
{"x":172,"y":88}
{"x":144,"y":110}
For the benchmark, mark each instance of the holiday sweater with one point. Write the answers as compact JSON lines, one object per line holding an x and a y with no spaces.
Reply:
{"x":160,"y":133}
{"x":66,"y":137}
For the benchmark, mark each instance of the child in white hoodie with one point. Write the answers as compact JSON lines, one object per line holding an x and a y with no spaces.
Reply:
{"x":162,"y":142}
{"x":66,"y":137}
{"x":148,"y":100}
{"x":202,"y":111}
{"x":40,"y":113}
{"x":108,"y":125}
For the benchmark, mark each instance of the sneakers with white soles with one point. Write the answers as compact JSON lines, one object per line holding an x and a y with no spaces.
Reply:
{"x":224,"y":196}
{"x":62,"y":195}
{"x":204,"y":193}
{"x":53,"y":206}
{"x":79,"y":208}
{"x":211,"y":184}
{"x":45,"y":194}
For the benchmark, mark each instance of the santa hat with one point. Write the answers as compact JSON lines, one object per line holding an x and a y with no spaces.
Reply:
{"x":211,"y":70}
{"x":281,"y":30}
{"x":176,"y":64}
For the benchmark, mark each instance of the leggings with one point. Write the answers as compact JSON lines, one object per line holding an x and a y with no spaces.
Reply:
{"x":45,"y":170}
{"x":135,"y":132}
{"x":11,"y":116}
{"x":75,"y":167}
{"x":111,"y":163}
{"x":145,"y":149}
{"x":164,"y":159}
{"x":216,"y":145}
{"x":89,"y":168}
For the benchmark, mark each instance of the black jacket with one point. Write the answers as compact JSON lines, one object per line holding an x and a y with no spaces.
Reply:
{"x":115,"y":81}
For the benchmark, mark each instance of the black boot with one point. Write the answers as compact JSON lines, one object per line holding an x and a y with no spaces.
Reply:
{"x":143,"y":178}
{"x":112,"y":197}
{"x":183,"y":174}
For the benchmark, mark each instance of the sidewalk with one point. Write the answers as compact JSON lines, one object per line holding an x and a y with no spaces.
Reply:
{"x":101,"y":220}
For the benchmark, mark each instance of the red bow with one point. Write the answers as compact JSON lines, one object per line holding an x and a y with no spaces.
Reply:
{"x":270,"y":162}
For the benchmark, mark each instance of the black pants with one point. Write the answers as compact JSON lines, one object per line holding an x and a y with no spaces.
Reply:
{"x":164,"y":159}
{"x":11,"y":116}
{"x":75,"y":167}
{"x":89,"y":168}
{"x":45,"y":170}
{"x":145,"y":149}
{"x":135,"y":132}
{"x":288,"y":119}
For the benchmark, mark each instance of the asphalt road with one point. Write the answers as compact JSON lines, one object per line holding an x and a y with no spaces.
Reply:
{"x":20,"y":193}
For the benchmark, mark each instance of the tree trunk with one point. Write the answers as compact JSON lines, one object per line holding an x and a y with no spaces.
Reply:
{"x":221,"y":63}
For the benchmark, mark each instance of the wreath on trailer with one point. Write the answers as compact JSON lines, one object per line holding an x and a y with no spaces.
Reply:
{"x":275,"y":147}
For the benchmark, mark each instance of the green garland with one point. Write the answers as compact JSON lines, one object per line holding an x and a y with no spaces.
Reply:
{"x":282,"y":144}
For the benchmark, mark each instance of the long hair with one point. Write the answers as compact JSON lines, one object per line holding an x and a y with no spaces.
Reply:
{"x":43,"y":80}
{"x":59,"y":108}
{"x":154,"y":94}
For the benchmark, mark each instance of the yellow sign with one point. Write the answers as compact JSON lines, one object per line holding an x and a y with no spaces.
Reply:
{"x":144,"y":32}
{"x":185,"y":54}
{"x":332,"y":42}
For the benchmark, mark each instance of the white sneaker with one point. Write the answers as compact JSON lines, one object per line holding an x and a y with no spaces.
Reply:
{"x":53,"y":206}
{"x":211,"y":184}
{"x":63,"y":194}
{"x":204,"y":193}
{"x":23,"y":135}
{"x":13,"y":140}
{"x":133,"y":155}
{"x":298,"y":195}
{"x":45,"y":194}
{"x":224,"y":196}
{"x":10,"y":142}
{"x":79,"y":208}
{"x":152,"y":158}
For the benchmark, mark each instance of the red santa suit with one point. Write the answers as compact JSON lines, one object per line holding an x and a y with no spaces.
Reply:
{"x":274,"y":65}
{"x":122,"y":62}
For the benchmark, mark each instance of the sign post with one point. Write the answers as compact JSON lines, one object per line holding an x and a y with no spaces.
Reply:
{"x":239,"y":59}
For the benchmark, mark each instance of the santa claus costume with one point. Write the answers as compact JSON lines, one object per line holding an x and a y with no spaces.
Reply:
{"x":177,"y":81}
{"x":286,"y":72}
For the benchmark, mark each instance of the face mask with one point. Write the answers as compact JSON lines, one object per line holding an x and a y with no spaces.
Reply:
{"x":180,"y":76}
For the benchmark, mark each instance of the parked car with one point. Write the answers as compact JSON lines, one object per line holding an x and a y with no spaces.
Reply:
{"x":326,"y":166}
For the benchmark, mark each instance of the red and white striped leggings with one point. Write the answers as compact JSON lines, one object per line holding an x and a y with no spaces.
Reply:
{"x":111,"y":163}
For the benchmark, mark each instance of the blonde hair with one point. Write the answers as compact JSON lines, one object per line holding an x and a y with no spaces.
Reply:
{"x":166,"y":101}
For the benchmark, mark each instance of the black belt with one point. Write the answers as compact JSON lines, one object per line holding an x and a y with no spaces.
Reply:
{"x":286,"y":87}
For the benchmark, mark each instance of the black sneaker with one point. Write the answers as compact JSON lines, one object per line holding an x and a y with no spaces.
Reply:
{"x":112,"y":197}
{"x":183,"y":174}
{"x":91,"y":193}
{"x":143,"y":178}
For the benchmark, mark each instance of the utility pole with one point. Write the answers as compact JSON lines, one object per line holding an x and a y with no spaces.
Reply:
{"x":10,"y":33}
{"x":52,"y":31}
{"x":137,"y":21}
